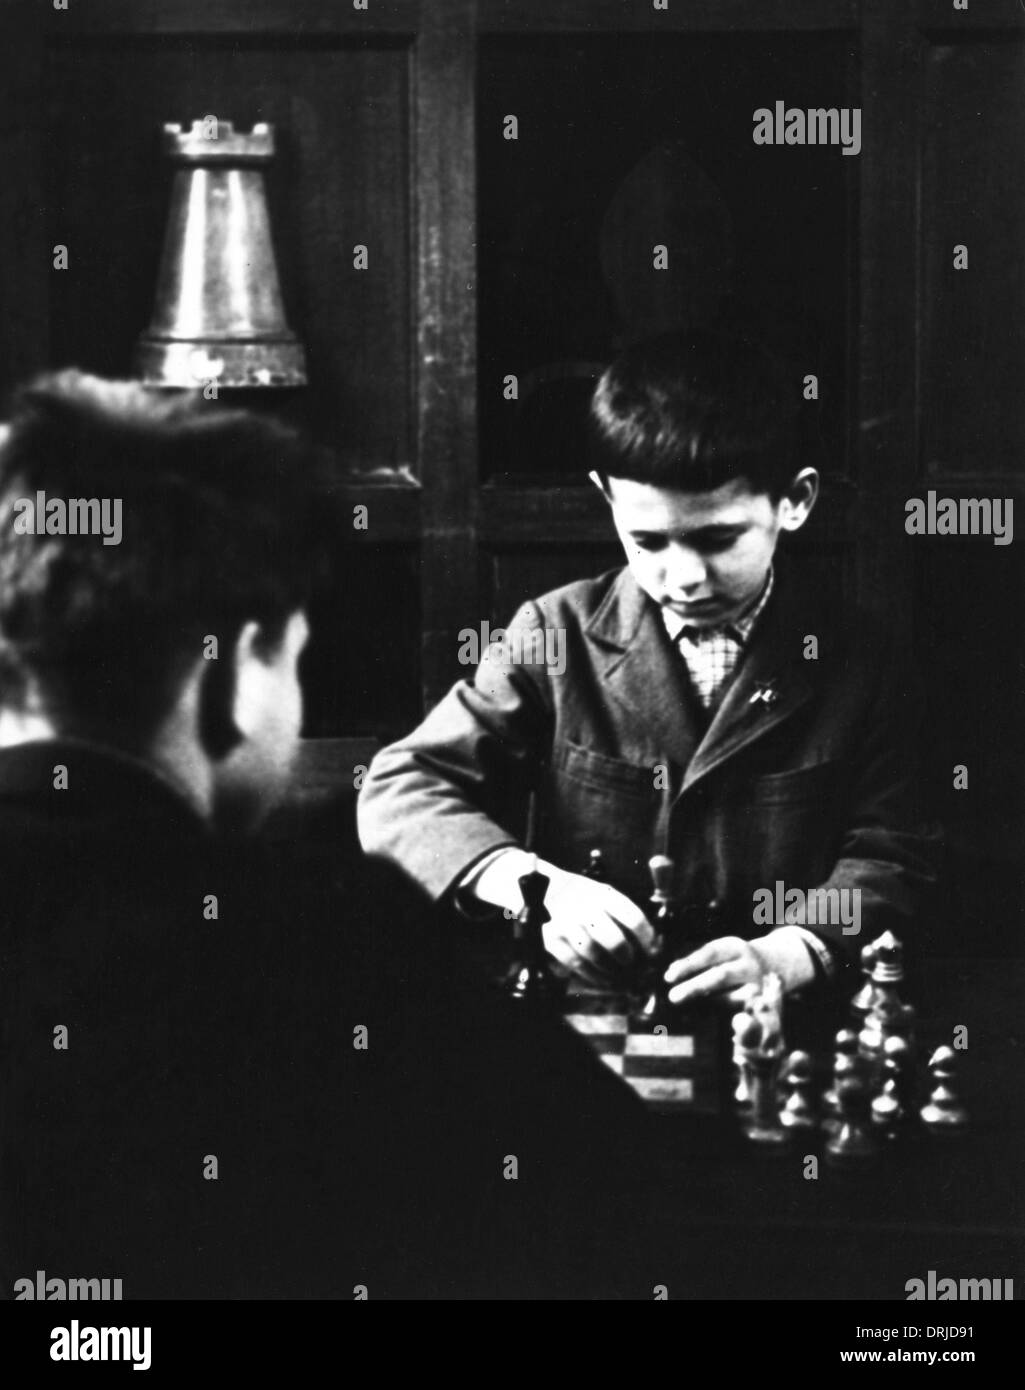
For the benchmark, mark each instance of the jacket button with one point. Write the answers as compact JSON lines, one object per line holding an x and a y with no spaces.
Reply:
{"x":712,"y":905}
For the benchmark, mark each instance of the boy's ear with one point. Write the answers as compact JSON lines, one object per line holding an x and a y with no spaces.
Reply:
{"x":799,"y":499}
{"x":249,"y":686}
{"x":223,"y":696}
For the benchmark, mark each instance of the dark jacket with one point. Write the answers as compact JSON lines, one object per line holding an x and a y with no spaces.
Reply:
{"x":193,"y":1036}
{"x":814,"y":787}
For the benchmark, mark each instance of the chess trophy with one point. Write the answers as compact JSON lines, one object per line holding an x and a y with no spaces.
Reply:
{"x":218,"y":314}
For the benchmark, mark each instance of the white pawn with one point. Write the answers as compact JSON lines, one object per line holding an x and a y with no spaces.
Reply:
{"x":943,"y":1112}
{"x":862,"y":1002}
{"x":797,"y":1112}
{"x":852,"y":1141}
{"x":888,"y":1111}
{"x":743,"y":1027}
{"x":846,"y":1045}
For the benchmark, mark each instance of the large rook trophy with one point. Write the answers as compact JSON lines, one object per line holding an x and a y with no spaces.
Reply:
{"x":218,"y":314}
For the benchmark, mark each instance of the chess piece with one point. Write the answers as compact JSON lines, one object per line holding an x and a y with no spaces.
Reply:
{"x":846,"y":1045}
{"x":888,"y":1107}
{"x":897,"y":1063}
{"x":845,"y":1065}
{"x":761,"y":1042}
{"x":853,"y":1141}
{"x":887,"y":974}
{"x":943,"y":1112}
{"x":530,"y":981}
{"x":665,"y":918}
{"x":871,"y":1048}
{"x":797,"y":1112}
{"x":865,"y":997}
{"x":676,"y":1055}
{"x":596,"y":867}
{"x":742,"y":1023}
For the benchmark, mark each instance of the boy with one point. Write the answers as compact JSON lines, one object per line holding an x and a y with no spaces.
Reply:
{"x":711,"y":706}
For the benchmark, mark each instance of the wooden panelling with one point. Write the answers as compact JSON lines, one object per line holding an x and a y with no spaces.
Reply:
{"x":26,"y":255}
{"x":446,"y":336}
{"x":969,"y":605}
{"x":361,"y":669}
{"x":303,"y":18}
{"x":626,"y":16}
{"x":980,"y":18}
{"x":887,"y":340}
{"x":973,"y":329}
{"x":630,"y":141}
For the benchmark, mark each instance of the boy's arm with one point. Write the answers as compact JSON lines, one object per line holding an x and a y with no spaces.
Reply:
{"x":456,"y":788}
{"x":440,"y":802}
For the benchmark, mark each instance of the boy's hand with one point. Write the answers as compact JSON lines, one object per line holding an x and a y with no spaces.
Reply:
{"x":719,"y":967}
{"x":726,"y":966}
{"x":594,"y":930}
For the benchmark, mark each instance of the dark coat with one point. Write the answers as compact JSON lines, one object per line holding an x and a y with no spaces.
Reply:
{"x":815,"y":787}
{"x":191,"y":1036}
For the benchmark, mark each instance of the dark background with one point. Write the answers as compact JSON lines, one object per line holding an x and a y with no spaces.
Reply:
{"x":533,"y":257}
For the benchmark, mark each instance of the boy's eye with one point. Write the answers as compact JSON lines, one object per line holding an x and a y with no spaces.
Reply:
{"x":650,"y":543}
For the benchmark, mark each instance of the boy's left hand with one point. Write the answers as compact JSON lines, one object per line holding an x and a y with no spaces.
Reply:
{"x":719,"y":967}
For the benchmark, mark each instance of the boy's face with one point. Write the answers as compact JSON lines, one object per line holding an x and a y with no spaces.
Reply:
{"x":705,"y":555}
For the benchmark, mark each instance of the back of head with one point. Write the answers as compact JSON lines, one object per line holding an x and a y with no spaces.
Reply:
{"x":693,"y":412}
{"x":215,"y":518}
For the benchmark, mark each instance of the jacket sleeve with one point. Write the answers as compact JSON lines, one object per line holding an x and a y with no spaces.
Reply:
{"x":457,"y":787}
{"x":890,"y":846}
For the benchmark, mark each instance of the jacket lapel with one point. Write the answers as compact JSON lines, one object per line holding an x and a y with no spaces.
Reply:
{"x":772,"y":682}
{"x":642,"y":673}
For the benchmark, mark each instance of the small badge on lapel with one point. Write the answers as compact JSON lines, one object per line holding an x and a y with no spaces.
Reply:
{"x":765,"y":694}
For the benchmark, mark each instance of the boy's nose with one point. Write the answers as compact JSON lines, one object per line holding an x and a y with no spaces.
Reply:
{"x":685,"y":571}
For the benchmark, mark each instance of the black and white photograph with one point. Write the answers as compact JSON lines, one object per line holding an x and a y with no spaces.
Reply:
{"x":511,"y":671}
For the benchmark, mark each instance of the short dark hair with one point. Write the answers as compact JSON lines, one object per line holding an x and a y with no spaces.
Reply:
{"x":219,"y":528}
{"x":693,"y":412}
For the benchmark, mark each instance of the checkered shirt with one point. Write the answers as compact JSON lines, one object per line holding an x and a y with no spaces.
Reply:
{"x":713,"y":654}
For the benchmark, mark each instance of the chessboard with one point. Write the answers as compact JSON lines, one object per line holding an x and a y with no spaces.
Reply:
{"x":872,"y":1092}
{"x":678,"y":1072}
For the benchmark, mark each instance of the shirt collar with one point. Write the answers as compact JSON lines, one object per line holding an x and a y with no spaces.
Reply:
{"x":739,"y":629}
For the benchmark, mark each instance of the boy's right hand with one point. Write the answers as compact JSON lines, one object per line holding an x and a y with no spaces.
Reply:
{"x":595,"y":931}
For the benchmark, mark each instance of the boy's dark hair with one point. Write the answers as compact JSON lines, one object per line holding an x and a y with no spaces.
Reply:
{"x":219,"y":527}
{"x":693,"y":412}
